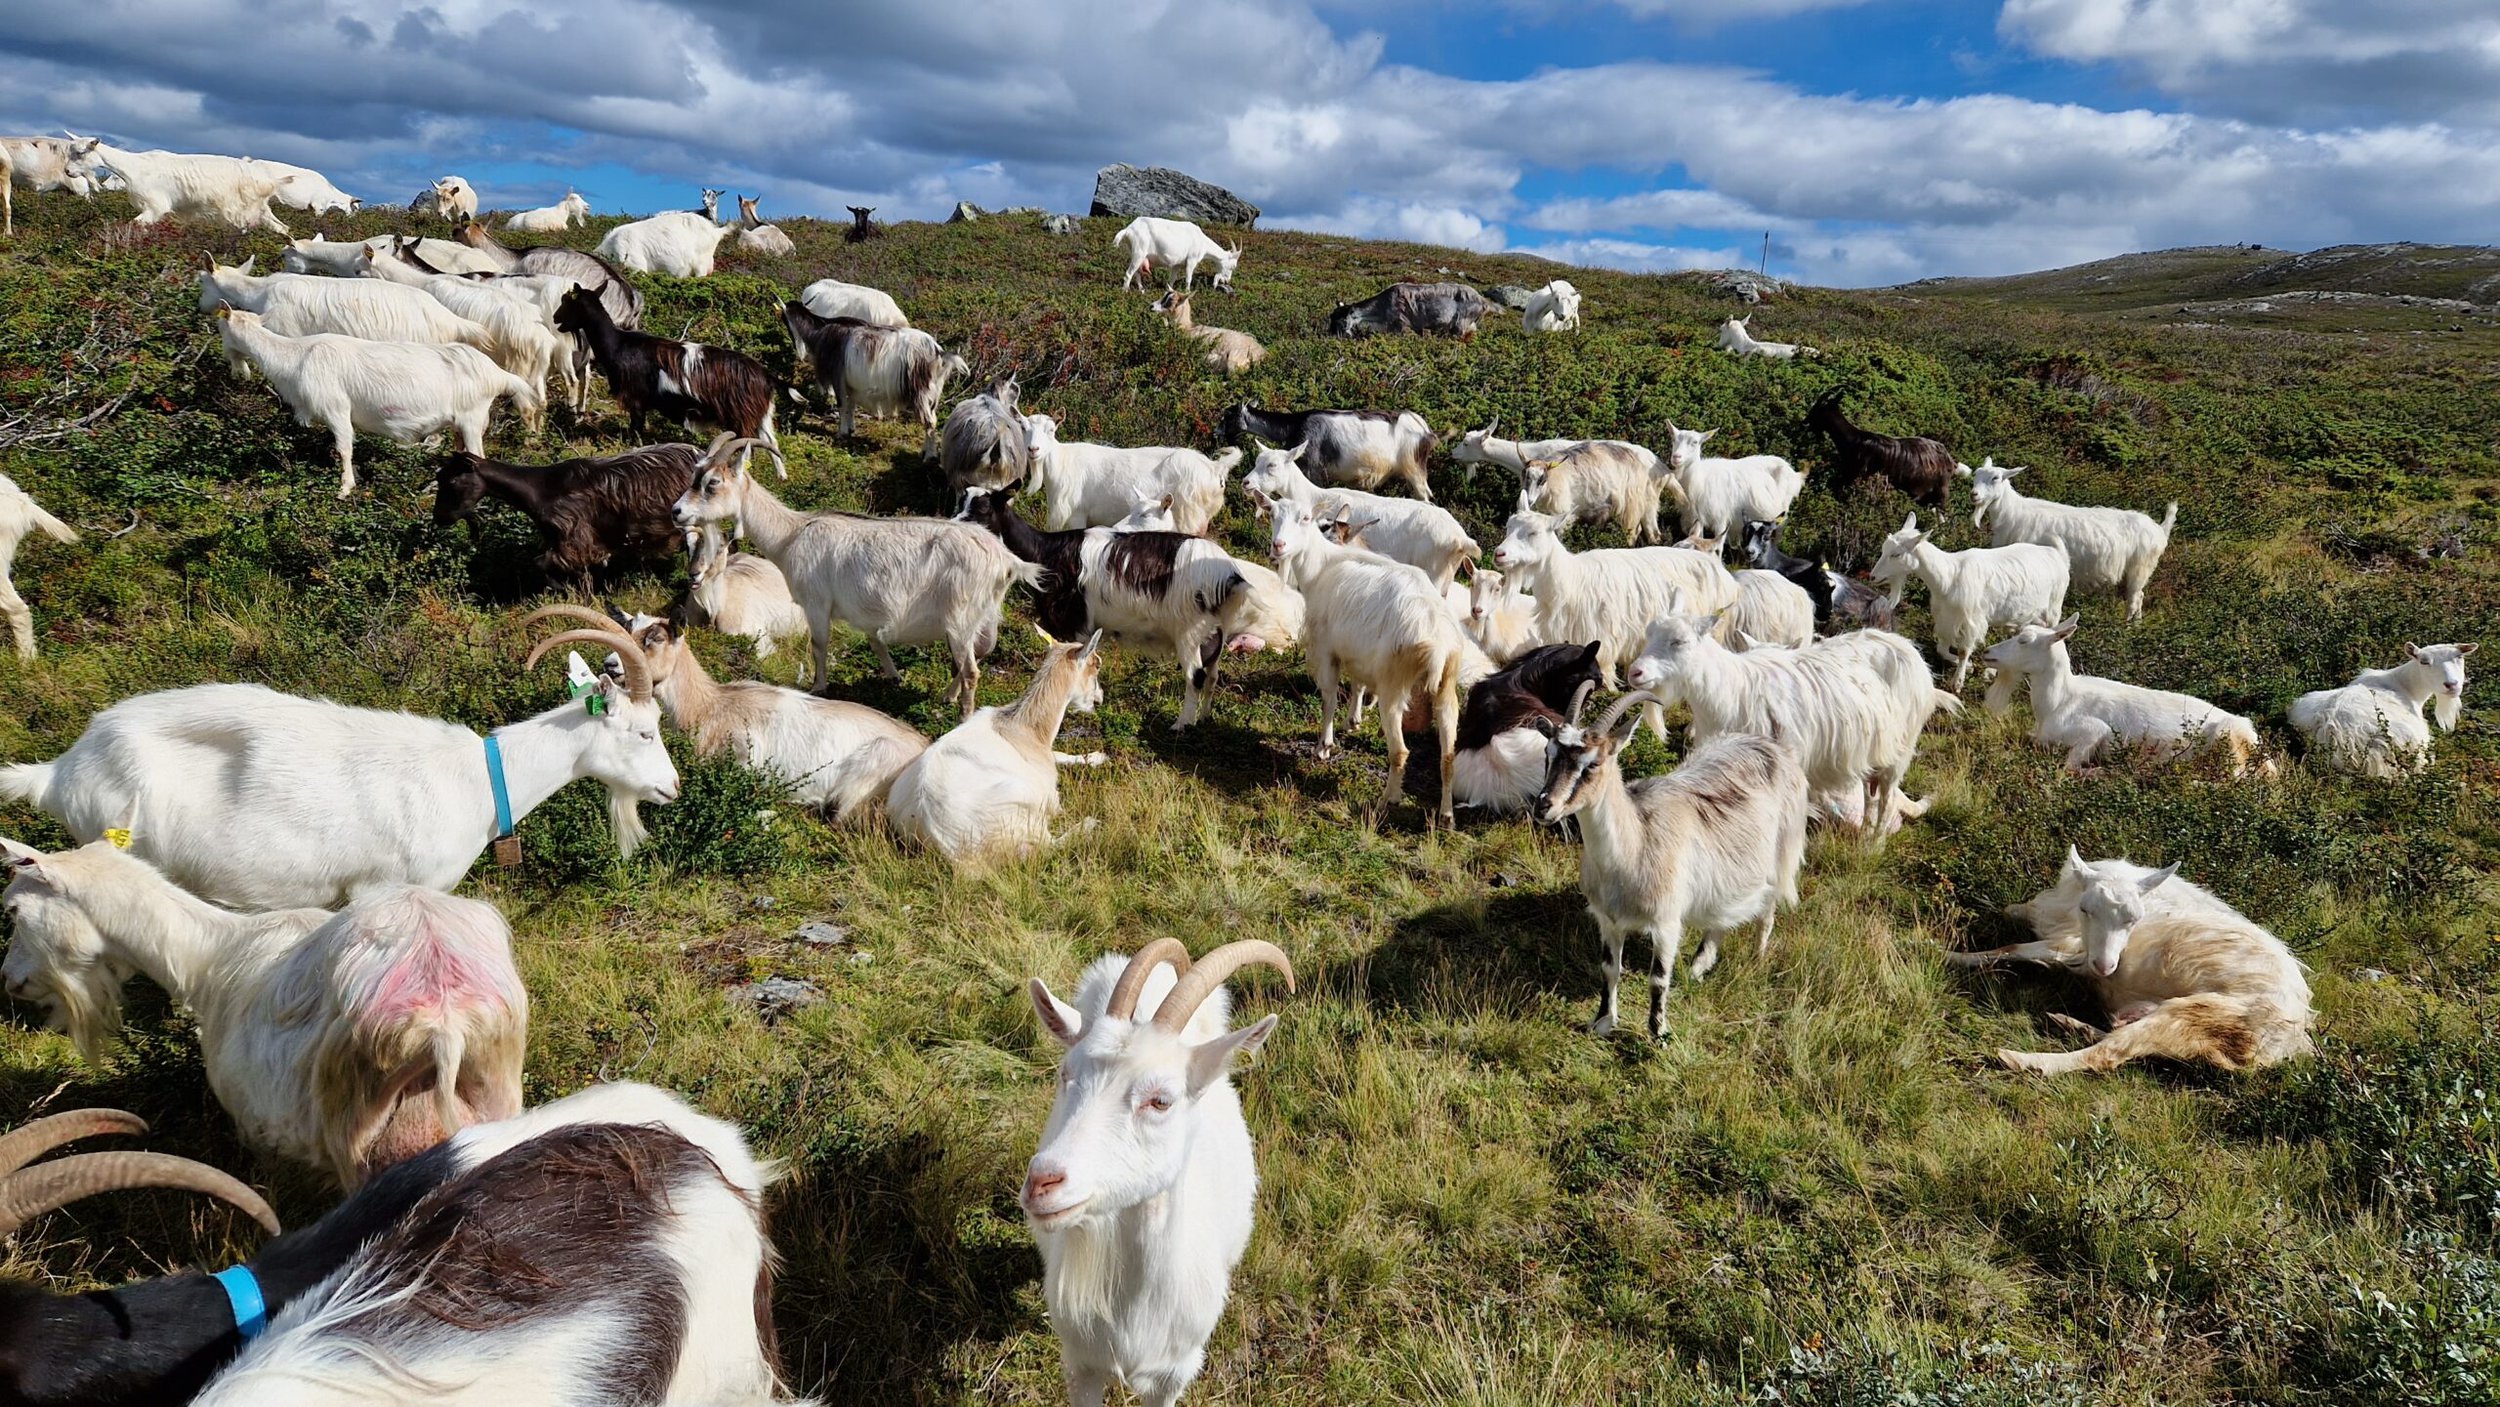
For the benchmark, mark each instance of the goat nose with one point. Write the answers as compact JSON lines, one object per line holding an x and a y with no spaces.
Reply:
{"x":1039,"y":1183}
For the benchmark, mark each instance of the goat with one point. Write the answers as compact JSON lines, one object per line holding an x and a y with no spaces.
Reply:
{"x":1227,"y":350}
{"x":1176,"y":244}
{"x":1501,"y":749}
{"x":1849,"y":709}
{"x":1597,"y":481}
{"x":1354,"y":448}
{"x":678,"y":242}
{"x":1762,"y":548}
{"x":862,"y":228}
{"x":307,"y":256}
{"x":607,"y":1248}
{"x":38,"y":164}
{"x":1088,"y":485}
{"x":1476,"y":447}
{"x":1422,"y":535}
{"x":740,"y":595}
{"x":2374,"y":725}
{"x":260,"y":800}
{"x":345,"y":1041}
{"x":687,"y":381}
{"x":872,"y":370}
{"x":1916,"y":465}
{"x":2088,"y":716}
{"x":1769,"y":609}
{"x":1444,"y":309}
{"x":1720,"y":496}
{"x":1143,"y":1191}
{"x":402,"y":391}
{"x":2183,"y":975}
{"x":589,"y":512}
{"x":1737,"y":339}
{"x":2107,"y":549}
{"x":756,"y":237}
{"x":20,"y":515}
{"x":519,"y":336}
{"x":227,"y":189}
{"x":454,"y":200}
{"x":1609,"y":595}
{"x":372,"y":310}
{"x":616,"y":293}
{"x":1553,"y":308}
{"x":1497,"y":619}
{"x":832,"y":298}
{"x":1860,"y":604}
{"x":302,"y":188}
{"x":1149,"y":590}
{"x":899,"y":581}
{"x":1383,"y":628}
{"x":550,"y":219}
{"x":1716,"y":844}
{"x":983,"y":444}
{"x":1973,"y":592}
{"x":987,"y":790}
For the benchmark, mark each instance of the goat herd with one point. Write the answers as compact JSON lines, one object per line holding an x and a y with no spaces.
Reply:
{"x":281,"y":865}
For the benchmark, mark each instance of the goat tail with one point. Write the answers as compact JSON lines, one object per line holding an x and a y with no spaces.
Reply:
{"x":1024,"y":573}
{"x":2169,"y":518}
{"x":50,"y":526}
{"x":1946,"y":703}
{"x":26,"y":781}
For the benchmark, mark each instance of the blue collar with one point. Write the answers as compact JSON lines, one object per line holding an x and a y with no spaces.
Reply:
{"x":251,"y":1312}
{"x":503,"y":794}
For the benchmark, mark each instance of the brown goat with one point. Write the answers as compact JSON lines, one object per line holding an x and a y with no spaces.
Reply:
{"x":1914,"y":464}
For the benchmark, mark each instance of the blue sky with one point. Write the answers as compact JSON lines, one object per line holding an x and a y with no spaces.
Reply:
{"x":1876,"y":140}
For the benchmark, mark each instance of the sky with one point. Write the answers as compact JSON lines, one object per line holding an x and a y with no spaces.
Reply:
{"x":1872,"y":141}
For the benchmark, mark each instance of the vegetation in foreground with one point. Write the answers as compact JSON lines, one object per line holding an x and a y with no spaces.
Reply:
{"x":1818,"y":1191}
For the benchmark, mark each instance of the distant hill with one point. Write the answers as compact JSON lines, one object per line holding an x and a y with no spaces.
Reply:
{"x":2390,"y":285}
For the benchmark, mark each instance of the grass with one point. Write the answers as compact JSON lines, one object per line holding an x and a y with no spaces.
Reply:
{"x":1818,"y":1191}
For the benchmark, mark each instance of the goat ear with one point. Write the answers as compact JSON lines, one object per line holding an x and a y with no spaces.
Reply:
{"x":2156,"y":879}
{"x":1910,"y":523}
{"x":1295,"y":454}
{"x":1707,"y":436}
{"x":2067,"y":627}
{"x":20,"y":859}
{"x":1208,"y":1060}
{"x":2412,"y":650}
{"x":1065,"y":1023}
{"x":2468,"y":648}
{"x":1048,"y":639}
{"x":1093,"y":643}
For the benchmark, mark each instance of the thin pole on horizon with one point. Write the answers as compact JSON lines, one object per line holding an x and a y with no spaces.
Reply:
{"x":1765,"y":268}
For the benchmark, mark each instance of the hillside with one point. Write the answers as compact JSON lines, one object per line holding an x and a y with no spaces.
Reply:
{"x":1820,"y":1190}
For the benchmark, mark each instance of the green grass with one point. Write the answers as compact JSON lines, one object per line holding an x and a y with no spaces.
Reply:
{"x":1818,"y":1191}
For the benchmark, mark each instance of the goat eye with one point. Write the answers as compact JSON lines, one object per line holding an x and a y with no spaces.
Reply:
{"x":1158,"y":1102}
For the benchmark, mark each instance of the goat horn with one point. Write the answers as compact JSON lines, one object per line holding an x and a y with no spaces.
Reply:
{"x":628,"y":653}
{"x":565,"y":610}
{"x":1615,"y":711}
{"x":30,"y":1194}
{"x":1580,"y":700}
{"x":719,"y":452}
{"x":1123,"y":1003}
{"x":1200,"y":982}
{"x":21,"y":1146}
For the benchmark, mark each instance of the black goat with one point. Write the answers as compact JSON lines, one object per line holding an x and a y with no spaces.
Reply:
{"x":1762,"y":548}
{"x":1916,"y":465}
{"x":589,"y":512}
{"x":1501,"y":750}
{"x":861,"y":230}
{"x":688,"y":381}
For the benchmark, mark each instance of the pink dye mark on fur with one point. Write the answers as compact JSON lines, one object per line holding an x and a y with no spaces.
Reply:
{"x":435,"y":974}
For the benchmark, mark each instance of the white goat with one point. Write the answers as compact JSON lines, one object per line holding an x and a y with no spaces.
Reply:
{"x":306,"y":256}
{"x":347,"y":1041}
{"x":1974,"y":592}
{"x":1553,"y":308}
{"x":739,"y":594}
{"x":547,"y":219}
{"x":1737,"y":339}
{"x":1715,"y":845}
{"x":37,"y":164}
{"x":2183,"y":975}
{"x":302,"y":188}
{"x":832,"y":298}
{"x":1497,"y":619}
{"x":1609,"y":595}
{"x":223,"y":188}
{"x":520,"y":336}
{"x":1720,"y":496}
{"x":454,"y":200}
{"x":2088,"y":716}
{"x":1143,"y":1192}
{"x":2374,"y":725}
{"x":20,"y":515}
{"x":261,"y":800}
{"x":1769,"y":609}
{"x":371,"y":309}
{"x":403,"y":391}
{"x":987,"y":790}
{"x":899,"y":581}
{"x":1226,"y":349}
{"x":2107,"y":549}
{"x":1423,"y":535}
{"x":1597,"y":481}
{"x":1484,"y":447}
{"x":678,"y":242}
{"x":1176,"y":244}
{"x":1089,"y":485}
{"x":756,"y":237}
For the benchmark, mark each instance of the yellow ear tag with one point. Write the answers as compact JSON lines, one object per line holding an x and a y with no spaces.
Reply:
{"x":119,"y":837}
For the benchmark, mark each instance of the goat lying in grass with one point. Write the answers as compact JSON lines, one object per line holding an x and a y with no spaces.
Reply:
{"x":2374,"y":725}
{"x":987,"y":791}
{"x":739,"y":594}
{"x":2089,"y":716}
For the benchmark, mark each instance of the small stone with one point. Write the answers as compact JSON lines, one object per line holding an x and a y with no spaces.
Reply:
{"x":1510,"y":295}
{"x":2371,"y":974}
{"x":822,"y":934}
{"x":1059,"y":224}
{"x":777,"y":997}
{"x":965,"y":213}
{"x":861,"y":957}
{"x":765,"y":901}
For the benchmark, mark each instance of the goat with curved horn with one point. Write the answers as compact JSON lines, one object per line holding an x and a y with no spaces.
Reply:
{"x":1123,"y":1002}
{"x":49,"y":1186}
{"x":630,"y":658}
{"x":1196,"y":984}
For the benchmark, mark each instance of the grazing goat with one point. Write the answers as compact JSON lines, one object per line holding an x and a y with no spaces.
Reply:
{"x":372,"y":310}
{"x":1597,"y":481}
{"x":302,"y":188}
{"x":1737,"y":339}
{"x":1715,"y":845}
{"x":1916,"y":465}
{"x":227,"y":189}
{"x":1719,"y":496}
{"x":983,"y":443}
{"x":1422,"y":535}
{"x":260,"y":800}
{"x":1973,"y":592}
{"x":1144,"y":1189}
{"x":1356,"y":448}
{"x":872,"y":370}
{"x":1501,"y":747}
{"x":756,"y":237}
{"x":1383,"y":628}
{"x":589,"y":512}
{"x":688,"y":381}
{"x":678,"y":242}
{"x":1175,"y":244}
{"x":740,"y":595}
{"x":454,"y":200}
{"x":987,"y":790}
{"x":1609,"y":595}
{"x":1850,"y":709}
{"x":38,"y":164}
{"x":519,"y":336}
{"x":1553,"y":308}
{"x":616,"y":293}
{"x":832,"y":298}
{"x":550,"y":219}
{"x":20,"y":515}
{"x":345,"y":1041}
{"x":403,"y":391}
{"x":2090,"y":716}
{"x":604,"y":1249}
{"x":2183,"y":975}
{"x":1441,"y":309}
{"x":1227,"y":350}
{"x":1484,"y":447}
{"x":899,"y":581}
{"x":1089,"y":486}
{"x":311,"y":256}
{"x":2374,"y":725}
{"x":2107,"y":549}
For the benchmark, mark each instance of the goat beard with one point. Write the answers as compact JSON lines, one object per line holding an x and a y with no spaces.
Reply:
{"x":2446,"y":708}
{"x":625,"y":820}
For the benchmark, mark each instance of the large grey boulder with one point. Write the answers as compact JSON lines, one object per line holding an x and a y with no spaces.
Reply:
{"x":1510,"y":295}
{"x":1131,"y":191}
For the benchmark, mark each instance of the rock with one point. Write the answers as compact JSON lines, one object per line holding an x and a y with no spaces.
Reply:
{"x":822,"y":934}
{"x":1059,"y":224}
{"x":1510,"y":295}
{"x":777,"y":997}
{"x":1745,"y":287}
{"x":1131,"y":191}
{"x":965,"y":213}
{"x":2370,"y":974}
